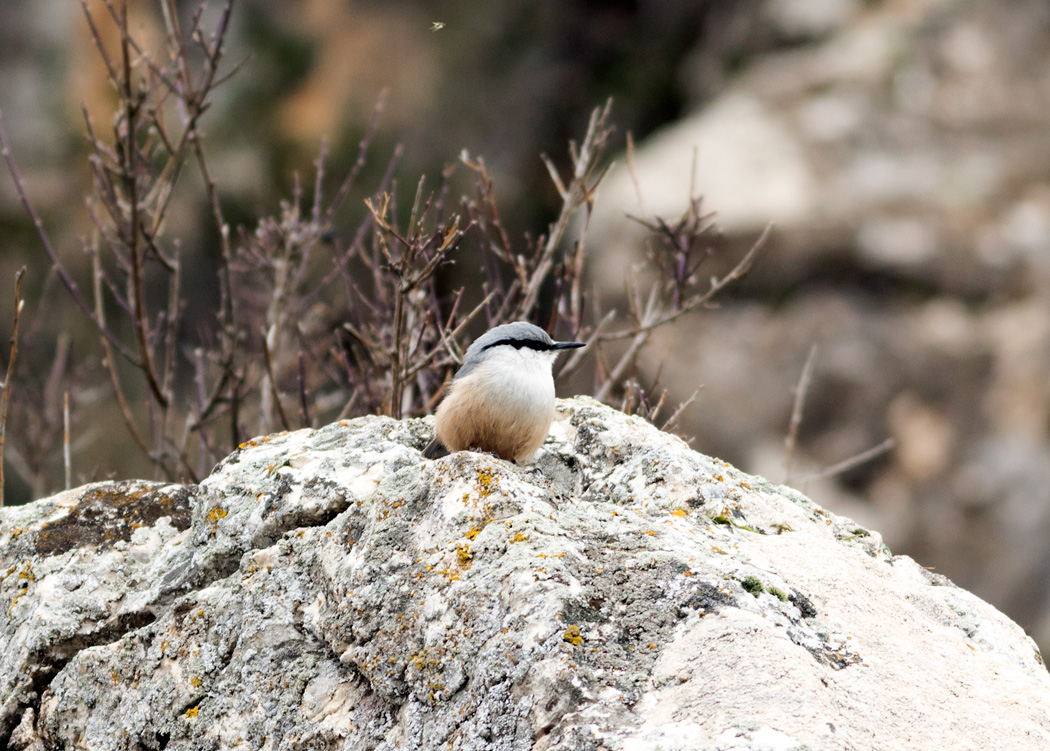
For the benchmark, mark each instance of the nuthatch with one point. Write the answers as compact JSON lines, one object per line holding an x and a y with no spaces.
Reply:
{"x":502,"y":398}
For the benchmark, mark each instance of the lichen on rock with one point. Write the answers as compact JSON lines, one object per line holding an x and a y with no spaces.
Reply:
{"x":333,"y":589}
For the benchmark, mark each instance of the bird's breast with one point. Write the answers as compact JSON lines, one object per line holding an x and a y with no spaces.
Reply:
{"x":504,"y":406}
{"x":523,"y":385}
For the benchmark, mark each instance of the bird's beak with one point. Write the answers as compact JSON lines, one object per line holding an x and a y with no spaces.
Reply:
{"x":569,"y":345}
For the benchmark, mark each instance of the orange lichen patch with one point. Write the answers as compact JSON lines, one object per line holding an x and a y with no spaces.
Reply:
{"x":679,"y":512}
{"x":261,"y":439}
{"x":520,"y":537}
{"x":487,"y":482}
{"x":215,"y":514}
{"x":27,"y":576}
{"x":192,"y":711}
{"x":573,"y":636}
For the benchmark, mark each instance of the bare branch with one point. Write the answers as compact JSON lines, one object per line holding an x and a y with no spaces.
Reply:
{"x":848,"y":464}
{"x":273,"y":383}
{"x":9,"y":378}
{"x":63,"y":274}
{"x":67,"y":458}
{"x":796,"y":410}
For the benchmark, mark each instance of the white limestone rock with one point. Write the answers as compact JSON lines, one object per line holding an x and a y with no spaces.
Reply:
{"x":336,"y":590}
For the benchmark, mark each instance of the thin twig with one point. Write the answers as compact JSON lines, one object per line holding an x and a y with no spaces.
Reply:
{"x":848,"y":464}
{"x":633,"y":174}
{"x":273,"y":383}
{"x":111,"y":364}
{"x":796,"y":410}
{"x":362,"y":153}
{"x":9,"y":378}
{"x":304,"y":393}
{"x":66,"y":454}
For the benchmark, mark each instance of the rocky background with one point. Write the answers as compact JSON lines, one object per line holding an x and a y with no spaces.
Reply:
{"x":902,"y":149}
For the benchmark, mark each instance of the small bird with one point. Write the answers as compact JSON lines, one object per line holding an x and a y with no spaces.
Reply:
{"x":502,"y":398}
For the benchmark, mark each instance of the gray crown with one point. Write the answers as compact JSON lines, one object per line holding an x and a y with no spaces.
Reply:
{"x":518,"y":334}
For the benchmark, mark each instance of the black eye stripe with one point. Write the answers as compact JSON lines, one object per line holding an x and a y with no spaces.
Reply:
{"x":522,"y":343}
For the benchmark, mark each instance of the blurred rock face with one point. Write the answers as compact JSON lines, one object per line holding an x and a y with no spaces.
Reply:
{"x":903,"y":154}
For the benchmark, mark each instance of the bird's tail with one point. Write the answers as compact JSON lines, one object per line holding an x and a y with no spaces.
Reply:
{"x":435,"y":450}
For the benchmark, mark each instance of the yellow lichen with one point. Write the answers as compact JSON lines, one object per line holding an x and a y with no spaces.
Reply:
{"x":519,"y":537}
{"x":573,"y":636}
{"x":192,"y":711}
{"x":487,"y":482}
{"x":465,"y":553}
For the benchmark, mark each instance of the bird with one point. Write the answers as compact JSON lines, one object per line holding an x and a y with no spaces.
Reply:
{"x":501,"y":400}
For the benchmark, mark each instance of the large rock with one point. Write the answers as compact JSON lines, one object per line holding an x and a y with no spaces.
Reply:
{"x":333,"y":589}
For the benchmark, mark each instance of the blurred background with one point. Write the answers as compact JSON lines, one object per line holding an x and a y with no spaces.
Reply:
{"x":901,"y":148}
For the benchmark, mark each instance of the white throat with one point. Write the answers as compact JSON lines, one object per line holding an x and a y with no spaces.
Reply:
{"x":521,"y":377}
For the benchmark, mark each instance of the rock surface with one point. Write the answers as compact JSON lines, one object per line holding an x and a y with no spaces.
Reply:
{"x":332,"y":589}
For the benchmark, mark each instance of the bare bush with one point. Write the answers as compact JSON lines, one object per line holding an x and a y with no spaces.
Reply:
{"x":313,"y":324}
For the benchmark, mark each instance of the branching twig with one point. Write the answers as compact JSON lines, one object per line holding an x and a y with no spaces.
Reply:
{"x":60,"y":269}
